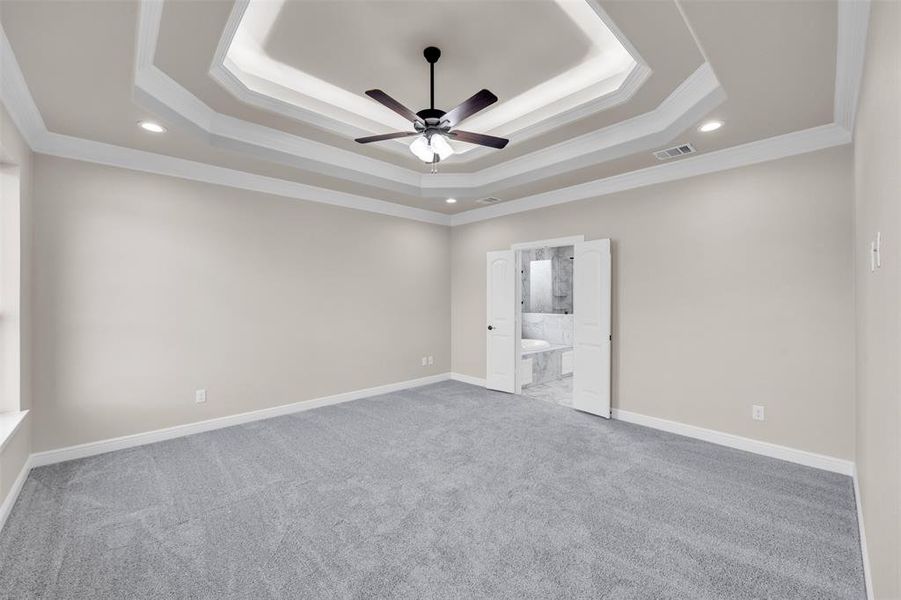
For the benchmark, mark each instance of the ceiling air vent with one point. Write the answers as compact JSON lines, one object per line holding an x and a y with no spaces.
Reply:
{"x":488,"y":200}
{"x":680,"y":150}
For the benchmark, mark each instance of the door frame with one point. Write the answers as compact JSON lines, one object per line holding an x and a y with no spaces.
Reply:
{"x":517,"y":321}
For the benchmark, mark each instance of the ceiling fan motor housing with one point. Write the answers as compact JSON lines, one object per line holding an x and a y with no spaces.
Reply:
{"x":430,"y":113}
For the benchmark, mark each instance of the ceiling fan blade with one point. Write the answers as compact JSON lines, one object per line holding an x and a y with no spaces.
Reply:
{"x":467,"y":108}
{"x":385,"y":136}
{"x":383,"y":98}
{"x":479,"y":138}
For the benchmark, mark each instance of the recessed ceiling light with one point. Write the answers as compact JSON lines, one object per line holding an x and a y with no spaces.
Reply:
{"x":152,"y":127}
{"x":451,"y":200}
{"x":710,"y":126}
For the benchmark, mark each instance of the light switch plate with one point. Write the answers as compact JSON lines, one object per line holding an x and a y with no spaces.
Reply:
{"x":878,"y":249}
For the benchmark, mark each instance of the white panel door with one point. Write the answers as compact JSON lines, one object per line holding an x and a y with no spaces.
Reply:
{"x":501,"y":322}
{"x":591,"y":331}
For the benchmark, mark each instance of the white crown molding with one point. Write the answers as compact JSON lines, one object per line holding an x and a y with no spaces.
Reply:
{"x":16,"y":96}
{"x":18,"y":101}
{"x":630,"y":85}
{"x":699,"y":94}
{"x":790,"y":144}
{"x":229,"y":76}
{"x":687,"y":104}
{"x":20,"y":104}
{"x":164,"y":96}
{"x":182,"y":107}
{"x":222,"y":75}
{"x":55,"y":144}
{"x":160,"y":94}
{"x":225,"y":75}
{"x":850,"y":52}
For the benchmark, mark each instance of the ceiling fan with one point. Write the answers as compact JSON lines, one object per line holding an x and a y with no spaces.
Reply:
{"x":433,"y":126}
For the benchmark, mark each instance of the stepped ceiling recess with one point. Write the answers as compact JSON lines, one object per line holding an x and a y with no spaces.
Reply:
{"x":587,"y":90}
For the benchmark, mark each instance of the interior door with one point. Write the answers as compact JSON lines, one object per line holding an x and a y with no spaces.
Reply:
{"x":591,"y":330}
{"x":501,"y":322}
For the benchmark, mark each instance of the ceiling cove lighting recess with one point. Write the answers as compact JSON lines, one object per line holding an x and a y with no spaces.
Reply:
{"x":710,"y":126}
{"x":152,"y":127}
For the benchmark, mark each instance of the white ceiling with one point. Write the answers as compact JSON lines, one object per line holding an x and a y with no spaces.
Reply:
{"x":551,"y":57}
{"x":587,"y":90}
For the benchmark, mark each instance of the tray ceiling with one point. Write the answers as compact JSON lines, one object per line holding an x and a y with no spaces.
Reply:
{"x":587,"y":90}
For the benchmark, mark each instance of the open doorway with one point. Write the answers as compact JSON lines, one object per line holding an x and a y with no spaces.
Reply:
{"x":546,"y":324}
{"x":566,"y":365}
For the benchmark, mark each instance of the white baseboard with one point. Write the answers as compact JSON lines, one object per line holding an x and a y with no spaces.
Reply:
{"x":13,"y":493}
{"x":801,"y":457}
{"x":868,"y":579}
{"x":139,"y":439}
{"x":733,"y":441}
{"x":468,"y":379}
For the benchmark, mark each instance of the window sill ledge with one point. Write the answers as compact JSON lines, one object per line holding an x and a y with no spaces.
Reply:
{"x":9,"y":424}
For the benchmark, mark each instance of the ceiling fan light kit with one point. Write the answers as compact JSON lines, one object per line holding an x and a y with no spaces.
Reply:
{"x":432,"y":126}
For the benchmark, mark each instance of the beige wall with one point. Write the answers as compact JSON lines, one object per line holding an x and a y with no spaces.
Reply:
{"x":149,"y":287}
{"x":16,"y":318}
{"x":730,"y":289}
{"x":877,"y":154}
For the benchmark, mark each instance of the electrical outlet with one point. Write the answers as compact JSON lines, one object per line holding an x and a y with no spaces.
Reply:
{"x":200,"y":396}
{"x":425,"y":361}
{"x":757,"y":413}
{"x":431,"y":360}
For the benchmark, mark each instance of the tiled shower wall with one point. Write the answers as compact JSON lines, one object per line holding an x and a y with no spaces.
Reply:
{"x":556,"y":329}
{"x":561,"y":300}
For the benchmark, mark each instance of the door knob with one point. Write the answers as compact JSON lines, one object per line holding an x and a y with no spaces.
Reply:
{"x":490,"y":327}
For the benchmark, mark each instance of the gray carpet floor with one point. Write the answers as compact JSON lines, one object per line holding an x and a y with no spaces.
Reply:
{"x":444,"y":491}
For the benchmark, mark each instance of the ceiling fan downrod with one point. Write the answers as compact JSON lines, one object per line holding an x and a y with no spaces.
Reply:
{"x":432,"y":54}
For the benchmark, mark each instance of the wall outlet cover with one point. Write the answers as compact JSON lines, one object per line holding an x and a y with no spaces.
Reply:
{"x":757,"y":413}
{"x":200,"y":396}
